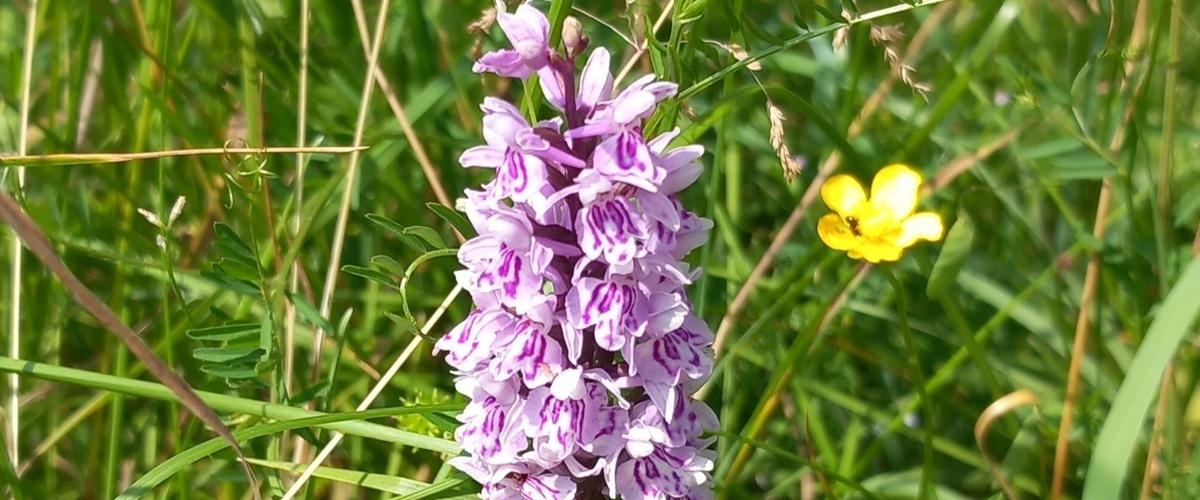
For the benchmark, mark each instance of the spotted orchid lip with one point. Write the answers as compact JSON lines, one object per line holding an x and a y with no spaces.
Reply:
{"x":582,"y":347}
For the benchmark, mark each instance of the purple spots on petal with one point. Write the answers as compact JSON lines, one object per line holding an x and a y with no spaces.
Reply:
{"x":515,"y":177}
{"x":627,"y":152}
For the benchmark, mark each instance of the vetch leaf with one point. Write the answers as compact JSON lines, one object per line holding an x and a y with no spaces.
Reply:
{"x":442,"y":421}
{"x":428,"y":235}
{"x":232,"y":245}
{"x":232,"y":372}
{"x":397,"y":230}
{"x":369,"y":273}
{"x":407,"y":325}
{"x":310,"y":313}
{"x":230,"y":283}
{"x":454,"y":217}
{"x":388,"y":264}
{"x":317,"y":390}
{"x":266,"y":336}
{"x":954,"y":254}
{"x":224,"y":332}
{"x":237,"y":269}
{"x":225,"y":354}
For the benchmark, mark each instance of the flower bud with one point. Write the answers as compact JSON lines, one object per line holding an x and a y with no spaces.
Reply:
{"x":573,"y":37}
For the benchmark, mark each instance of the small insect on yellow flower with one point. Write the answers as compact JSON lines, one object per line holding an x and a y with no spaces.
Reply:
{"x":881,"y":227}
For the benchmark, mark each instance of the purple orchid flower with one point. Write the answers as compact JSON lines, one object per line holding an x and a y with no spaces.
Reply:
{"x":528,"y":31}
{"x":516,"y":151}
{"x":582,"y":348}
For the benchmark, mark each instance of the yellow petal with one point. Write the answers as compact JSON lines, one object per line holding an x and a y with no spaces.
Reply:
{"x":922,"y":226}
{"x":894,"y":190}
{"x":843,"y":193}
{"x":835,"y":233}
{"x":878,"y":251}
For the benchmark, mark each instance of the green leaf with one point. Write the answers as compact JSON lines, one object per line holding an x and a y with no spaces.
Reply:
{"x":232,"y":245}
{"x":559,"y":9}
{"x":237,"y":269}
{"x":454,"y":217}
{"x":224,"y":332}
{"x":390,"y":225}
{"x":397,"y":230}
{"x":232,"y":372}
{"x":1122,"y":429}
{"x":655,"y":48}
{"x":310,"y":313}
{"x":317,"y":390}
{"x":379,"y":482}
{"x":696,"y":9}
{"x":369,"y":273}
{"x":954,"y":254}
{"x":443,"y":421}
{"x":232,"y":284}
{"x":1079,"y":166}
{"x":436,"y":488}
{"x":388,"y":264}
{"x":407,"y":325}
{"x":225,"y":354}
{"x":428,"y":235}
{"x":266,"y":337}
{"x":1050,"y":149}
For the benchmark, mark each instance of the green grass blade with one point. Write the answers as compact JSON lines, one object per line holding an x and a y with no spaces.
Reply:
{"x":220,"y":402}
{"x":1122,"y":429}
{"x":168,"y":468}
{"x":378,"y":482}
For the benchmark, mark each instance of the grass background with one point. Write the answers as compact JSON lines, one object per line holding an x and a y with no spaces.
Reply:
{"x":836,"y":380}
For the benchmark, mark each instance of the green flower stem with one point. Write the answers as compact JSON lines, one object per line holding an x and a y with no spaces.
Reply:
{"x":914,"y":360}
{"x":221,"y":403}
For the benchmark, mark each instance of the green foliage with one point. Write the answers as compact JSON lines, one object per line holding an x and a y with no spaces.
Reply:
{"x":1030,"y":105}
{"x":955,"y":250}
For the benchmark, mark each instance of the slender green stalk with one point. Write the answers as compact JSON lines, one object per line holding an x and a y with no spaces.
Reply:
{"x":147,"y":72}
{"x":289,"y":339}
{"x":1162,"y":198}
{"x":914,"y":361}
{"x":15,"y":268}
{"x":333,"y":268}
{"x":8,"y":475}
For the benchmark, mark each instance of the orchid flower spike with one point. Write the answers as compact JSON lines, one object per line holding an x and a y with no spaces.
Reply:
{"x":582,"y":349}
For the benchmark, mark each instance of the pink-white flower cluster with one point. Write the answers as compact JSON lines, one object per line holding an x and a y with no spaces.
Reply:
{"x":582,"y":350}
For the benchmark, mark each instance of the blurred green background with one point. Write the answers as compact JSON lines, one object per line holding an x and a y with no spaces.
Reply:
{"x":1017,"y":111}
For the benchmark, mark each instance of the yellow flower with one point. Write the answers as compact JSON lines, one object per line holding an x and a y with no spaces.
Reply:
{"x":879,"y":228}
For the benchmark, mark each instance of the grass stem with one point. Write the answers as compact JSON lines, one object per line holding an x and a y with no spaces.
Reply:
{"x":914,"y":360}
{"x":15,"y":268}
